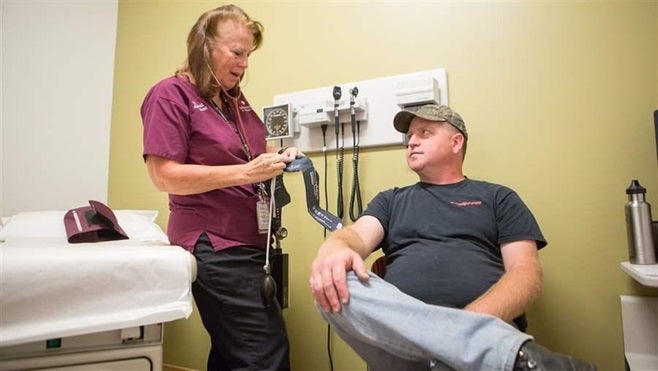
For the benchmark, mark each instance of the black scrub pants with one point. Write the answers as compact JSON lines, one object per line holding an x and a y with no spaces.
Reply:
{"x":244,"y":334}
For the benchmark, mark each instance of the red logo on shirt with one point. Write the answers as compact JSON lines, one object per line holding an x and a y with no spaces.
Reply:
{"x":466,"y":203}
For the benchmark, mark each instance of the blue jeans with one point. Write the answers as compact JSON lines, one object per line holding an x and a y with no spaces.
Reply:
{"x":391,"y":330}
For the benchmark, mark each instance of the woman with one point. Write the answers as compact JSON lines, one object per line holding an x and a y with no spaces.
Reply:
{"x":205,"y":146}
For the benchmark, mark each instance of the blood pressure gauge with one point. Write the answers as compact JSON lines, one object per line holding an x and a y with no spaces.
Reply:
{"x":278,"y":121}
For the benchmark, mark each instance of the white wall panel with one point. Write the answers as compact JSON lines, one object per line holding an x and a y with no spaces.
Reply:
{"x":57,"y":78}
{"x":379,"y":99}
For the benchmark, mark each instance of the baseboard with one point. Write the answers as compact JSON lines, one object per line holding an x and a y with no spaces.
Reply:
{"x":166,"y":367}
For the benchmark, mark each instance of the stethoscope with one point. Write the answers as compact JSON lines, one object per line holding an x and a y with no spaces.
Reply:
{"x":268,"y":286}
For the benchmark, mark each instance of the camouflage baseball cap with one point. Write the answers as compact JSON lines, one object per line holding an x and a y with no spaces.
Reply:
{"x":432,"y":112}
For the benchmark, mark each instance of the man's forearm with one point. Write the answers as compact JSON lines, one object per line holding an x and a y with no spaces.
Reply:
{"x":345,"y":237}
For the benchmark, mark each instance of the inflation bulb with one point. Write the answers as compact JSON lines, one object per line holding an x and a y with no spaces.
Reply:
{"x":268,"y":289}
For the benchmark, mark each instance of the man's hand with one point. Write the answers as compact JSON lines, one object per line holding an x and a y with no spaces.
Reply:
{"x":343,"y":251}
{"x":328,"y":280}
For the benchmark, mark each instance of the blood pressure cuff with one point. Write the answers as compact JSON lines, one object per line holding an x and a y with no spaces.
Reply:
{"x":93,"y":223}
{"x":311,"y":183}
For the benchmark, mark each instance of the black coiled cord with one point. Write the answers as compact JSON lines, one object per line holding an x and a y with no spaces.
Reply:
{"x":356,"y":131}
{"x":356,"y":188}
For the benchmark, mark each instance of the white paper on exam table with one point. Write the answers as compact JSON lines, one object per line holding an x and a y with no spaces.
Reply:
{"x":51,"y":289}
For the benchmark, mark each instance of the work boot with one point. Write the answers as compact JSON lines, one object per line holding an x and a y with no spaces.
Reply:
{"x":534,"y":357}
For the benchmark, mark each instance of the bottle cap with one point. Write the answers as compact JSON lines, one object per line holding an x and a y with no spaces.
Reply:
{"x":635,"y":188}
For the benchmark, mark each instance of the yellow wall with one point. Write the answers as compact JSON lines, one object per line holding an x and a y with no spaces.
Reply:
{"x":557,"y":97}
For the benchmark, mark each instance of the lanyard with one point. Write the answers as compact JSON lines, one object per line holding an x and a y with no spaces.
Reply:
{"x":239,"y":127}
{"x":237,"y":122}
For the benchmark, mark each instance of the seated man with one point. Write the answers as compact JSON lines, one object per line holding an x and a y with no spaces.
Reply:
{"x":462,"y":266}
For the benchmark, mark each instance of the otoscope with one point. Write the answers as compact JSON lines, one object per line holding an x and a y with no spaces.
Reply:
{"x":339,"y":153}
{"x":356,"y":189}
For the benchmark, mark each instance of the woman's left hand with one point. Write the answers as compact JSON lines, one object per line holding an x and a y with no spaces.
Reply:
{"x":290,"y":153}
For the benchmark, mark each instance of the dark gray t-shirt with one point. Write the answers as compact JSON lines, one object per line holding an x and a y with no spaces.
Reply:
{"x":442,"y":242}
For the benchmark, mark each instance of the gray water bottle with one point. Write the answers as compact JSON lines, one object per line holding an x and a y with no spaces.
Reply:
{"x":639,"y":226}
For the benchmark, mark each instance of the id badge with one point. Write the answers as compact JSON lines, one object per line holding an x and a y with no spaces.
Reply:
{"x":263,"y":216}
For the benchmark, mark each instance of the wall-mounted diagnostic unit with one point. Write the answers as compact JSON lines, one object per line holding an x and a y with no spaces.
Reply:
{"x":306,"y":119}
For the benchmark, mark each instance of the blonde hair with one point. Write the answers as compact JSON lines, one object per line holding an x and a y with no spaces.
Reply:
{"x":205,"y":34}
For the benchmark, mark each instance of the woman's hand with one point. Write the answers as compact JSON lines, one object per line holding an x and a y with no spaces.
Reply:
{"x":266,"y":166}
{"x":183,"y":179}
{"x":291,"y":152}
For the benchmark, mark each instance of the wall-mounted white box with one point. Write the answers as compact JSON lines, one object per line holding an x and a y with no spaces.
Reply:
{"x":414,"y":93}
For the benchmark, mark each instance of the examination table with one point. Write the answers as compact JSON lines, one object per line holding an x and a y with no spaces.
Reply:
{"x":88,"y":306}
